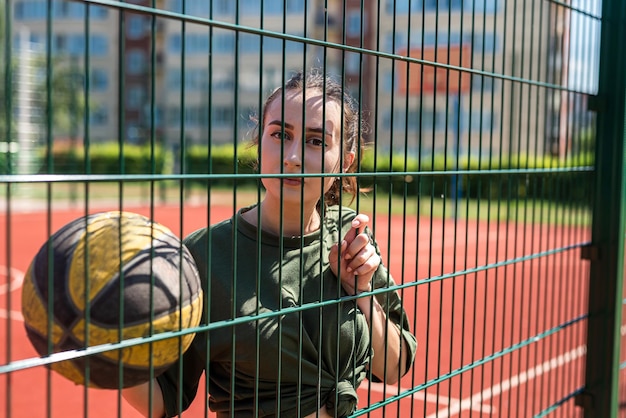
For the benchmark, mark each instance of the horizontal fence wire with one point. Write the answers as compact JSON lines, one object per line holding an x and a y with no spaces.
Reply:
{"x":61,"y":178}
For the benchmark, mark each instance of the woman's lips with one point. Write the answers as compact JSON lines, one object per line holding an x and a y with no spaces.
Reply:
{"x":292,"y":182}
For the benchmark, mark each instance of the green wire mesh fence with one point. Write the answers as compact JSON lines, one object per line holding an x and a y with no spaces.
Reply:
{"x":492,"y":171}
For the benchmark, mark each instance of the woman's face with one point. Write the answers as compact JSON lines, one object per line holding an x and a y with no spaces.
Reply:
{"x":288,"y":148}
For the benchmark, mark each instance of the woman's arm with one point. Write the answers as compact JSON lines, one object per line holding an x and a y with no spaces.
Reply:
{"x":390,"y":349}
{"x":139,"y":397}
{"x":359,"y":262}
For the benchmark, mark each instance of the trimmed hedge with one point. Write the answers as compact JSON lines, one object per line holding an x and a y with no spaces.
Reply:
{"x":106,"y":159}
{"x":221,"y":160}
{"x":570,"y":186}
{"x":559,"y":186}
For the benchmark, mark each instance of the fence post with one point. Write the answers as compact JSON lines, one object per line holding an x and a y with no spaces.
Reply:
{"x":600,"y":397}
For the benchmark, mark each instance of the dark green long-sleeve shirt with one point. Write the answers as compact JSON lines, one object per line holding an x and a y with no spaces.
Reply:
{"x":295,"y":361}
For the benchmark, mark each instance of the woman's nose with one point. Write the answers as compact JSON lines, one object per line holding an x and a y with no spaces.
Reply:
{"x":293,"y":154}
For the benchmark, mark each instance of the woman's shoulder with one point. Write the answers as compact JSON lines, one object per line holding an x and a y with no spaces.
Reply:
{"x":219,"y":230}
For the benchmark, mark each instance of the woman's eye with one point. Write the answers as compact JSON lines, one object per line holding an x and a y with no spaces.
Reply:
{"x":318,"y":142}
{"x":281,"y":135}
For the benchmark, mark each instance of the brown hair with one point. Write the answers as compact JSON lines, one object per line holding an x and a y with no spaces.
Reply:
{"x":353,"y":126}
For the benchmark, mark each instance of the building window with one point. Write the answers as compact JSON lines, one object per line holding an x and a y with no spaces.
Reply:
{"x":32,"y":41}
{"x":484,"y":84}
{"x":224,"y":7}
{"x":353,"y":62}
{"x":98,"y":12}
{"x":482,"y":120}
{"x":135,"y":97}
{"x":403,"y":6}
{"x":195,"y":43}
{"x":295,"y":6}
{"x":135,"y":62}
{"x":199,"y":8}
{"x":202,"y":8}
{"x":222,"y":117}
{"x":433,"y":5}
{"x":198,"y":79}
{"x":394,"y":42}
{"x":30,"y":10}
{"x":99,"y":45}
{"x":271,"y":76}
{"x":99,"y":80}
{"x":99,"y":116}
{"x":483,"y":6}
{"x":272,"y":44}
{"x":273,"y":7}
{"x":224,"y":43}
{"x":488,"y":42}
{"x":74,"y":44}
{"x":133,"y":133}
{"x":444,"y":38}
{"x":172,"y":79}
{"x":249,"y":43}
{"x":174,"y":44}
{"x":38,"y":10}
{"x":416,"y":6}
{"x":398,"y":42}
{"x":428,"y":120}
{"x":251,"y":7}
{"x":353,"y":21}
{"x":173,"y":115}
{"x":136,"y":26}
{"x":223,"y":81}
{"x":175,"y":6}
{"x":275,"y":45}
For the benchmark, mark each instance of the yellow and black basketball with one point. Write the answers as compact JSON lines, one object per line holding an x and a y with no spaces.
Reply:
{"x":106,"y":278}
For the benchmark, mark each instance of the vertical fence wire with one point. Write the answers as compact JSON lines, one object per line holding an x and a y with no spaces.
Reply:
{"x":5,"y":14}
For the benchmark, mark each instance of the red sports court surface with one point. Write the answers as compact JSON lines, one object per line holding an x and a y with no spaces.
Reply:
{"x":458,"y":321}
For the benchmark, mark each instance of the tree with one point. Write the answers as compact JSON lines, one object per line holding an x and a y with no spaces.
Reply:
{"x":4,"y":105}
{"x":64,"y":106}
{"x":6,"y":162}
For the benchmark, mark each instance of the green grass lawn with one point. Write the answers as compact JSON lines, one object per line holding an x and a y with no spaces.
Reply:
{"x":526,"y":211}
{"x":173,"y":192}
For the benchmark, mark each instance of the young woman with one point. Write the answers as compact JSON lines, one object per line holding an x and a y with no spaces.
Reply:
{"x":276,"y":261}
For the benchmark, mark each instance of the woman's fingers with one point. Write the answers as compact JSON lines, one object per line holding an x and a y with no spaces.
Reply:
{"x":355,"y":254}
{"x":359,"y":223}
{"x":363,"y":258}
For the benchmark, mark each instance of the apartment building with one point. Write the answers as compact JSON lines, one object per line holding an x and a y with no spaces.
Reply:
{"x":419,"y":110}
{"x":71,"y":38}
{"x":203,"y":78}
{"x":217,"y":76}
